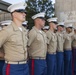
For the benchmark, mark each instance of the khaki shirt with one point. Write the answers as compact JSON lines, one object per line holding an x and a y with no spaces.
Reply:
{"x":60,"y":42}
{"x":67,"y":41}
{"x":74,"y":40}
{"x":52,"y":41}
{"x":37,"y":43}
{"x":14,"y":42}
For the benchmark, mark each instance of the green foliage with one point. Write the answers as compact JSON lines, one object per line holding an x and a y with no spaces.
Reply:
{"x":36,"y":6}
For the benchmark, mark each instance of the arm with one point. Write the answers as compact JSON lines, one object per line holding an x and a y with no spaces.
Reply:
{"x":48,"y":37}
{"x":1,"y":52}
{"x":31,"y":37}
{"x":3,"y":37}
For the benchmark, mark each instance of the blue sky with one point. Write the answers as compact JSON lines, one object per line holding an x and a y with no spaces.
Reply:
{"x":16,"y":1}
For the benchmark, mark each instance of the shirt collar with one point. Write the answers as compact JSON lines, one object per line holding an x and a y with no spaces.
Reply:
{"x":52,"y":32}
{"x":37,"y":30}
{"x":16,"y":28}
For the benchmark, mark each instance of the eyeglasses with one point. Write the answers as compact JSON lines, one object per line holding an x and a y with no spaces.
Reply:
{"x":21,"y":11}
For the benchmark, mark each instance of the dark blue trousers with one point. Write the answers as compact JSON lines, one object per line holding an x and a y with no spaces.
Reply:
{"x":51,"y":64}
{"x":67,"y":62}
{"x":15,"y":69}
{"x":37,"y":67}
{"x":60,"y":63}
{"x":1,"y":66}
{"x":74,"y":61}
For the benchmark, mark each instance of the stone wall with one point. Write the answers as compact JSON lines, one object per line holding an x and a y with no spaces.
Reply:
{"x":65,"y":10}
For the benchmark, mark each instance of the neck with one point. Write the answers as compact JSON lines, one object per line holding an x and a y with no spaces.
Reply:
{"x":18,"y":23}
{"x":67,"y":32}
{"x":38,"y":27}
{"x":59,"y":31}
{"x":52,"y":29}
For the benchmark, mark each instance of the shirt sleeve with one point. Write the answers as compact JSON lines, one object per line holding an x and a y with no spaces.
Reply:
{"x":31,"y":36}
{"x":48,"y":37}
{"x":3,"y":37}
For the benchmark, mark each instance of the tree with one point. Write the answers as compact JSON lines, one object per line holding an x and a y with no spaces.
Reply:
{"x":36,"y":6}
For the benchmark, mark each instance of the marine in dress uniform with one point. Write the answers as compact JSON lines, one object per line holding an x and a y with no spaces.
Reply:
{"x":60,"y":51}
{"x":74,"y":52}
{"x":14,"y":39}
{"x":3,"y":25}
{"x":37,"y":44}
{"x":68,"y":50}
{"x":52,"y":46}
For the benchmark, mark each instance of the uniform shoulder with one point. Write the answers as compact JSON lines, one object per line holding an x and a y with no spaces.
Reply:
{"x":48,"y":32}
{"x":57,"y":33}
{"x":8,"y":29}
{"x":43,"y":32}
{"x":32,"y":32}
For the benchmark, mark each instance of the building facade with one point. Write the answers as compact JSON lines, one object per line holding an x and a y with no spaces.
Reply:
{"x":65,"y":10}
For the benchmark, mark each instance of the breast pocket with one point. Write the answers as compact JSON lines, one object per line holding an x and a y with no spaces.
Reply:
{"x":53,"y":38}
{"x":39,"y":38}
{"x":19,"y":40}
{"x":60,"y":39}
{"x":68,"y":38}
{"x":13,"y":39}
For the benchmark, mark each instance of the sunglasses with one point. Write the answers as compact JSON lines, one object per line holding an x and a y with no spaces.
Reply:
{"x":70,"y":27}
{"x":61,"y":26}
{"x":42,"y":18}
{"x":21,"y":11}
{"x":54,"y":22}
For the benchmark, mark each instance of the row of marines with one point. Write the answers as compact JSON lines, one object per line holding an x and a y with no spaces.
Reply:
{"x":35,"y":52}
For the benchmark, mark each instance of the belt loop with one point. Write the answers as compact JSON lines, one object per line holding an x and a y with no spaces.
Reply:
{"x":18,"y":62}
{"x":7,"y":62}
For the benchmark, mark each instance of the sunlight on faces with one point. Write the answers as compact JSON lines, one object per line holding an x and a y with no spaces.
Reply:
{"x":39,"y":19}
{"x":60,"y":28}
{"x":53,"y":25}
{"x":41,"y":22}
{"x":69,"y":29}
{"x":18,"y":11}
{"x":19,"y":16}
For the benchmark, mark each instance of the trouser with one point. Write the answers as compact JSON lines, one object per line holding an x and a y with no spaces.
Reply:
{"x":60,"y":63}
{"x":51,"y":64}
{"x":74,"y":61}
{"x":15,"y":69}
{"x":1,"y":66}
{"x":37,"y":67}
{"x":67,"y":62}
